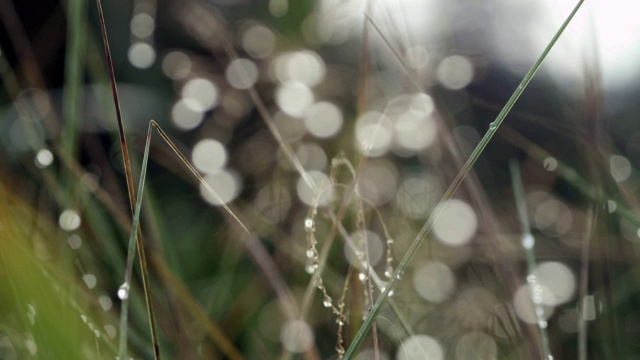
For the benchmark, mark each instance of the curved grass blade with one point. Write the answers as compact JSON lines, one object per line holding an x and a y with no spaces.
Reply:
{"x":124,"y":290}
{"x":359,"y":337}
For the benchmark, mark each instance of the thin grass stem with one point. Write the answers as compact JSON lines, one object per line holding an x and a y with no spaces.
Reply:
{"x":123,"y":292}
{"x":262,"y":258}
{"x":415,"y":245}
{"x":132,"y":198}
{"x":74,"y":69}
{"x":528,"y":244}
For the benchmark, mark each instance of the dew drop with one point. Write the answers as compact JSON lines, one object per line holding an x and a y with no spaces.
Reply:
{"x":493,"y":126}
{"x":399,"y":275}
{"x":542,"y":324}
{"x":362,"y":277}
{"x":388,"y":272}
{"x":327,"y":302}
{"x":123,"y":291}
{"x":310,"y":253}
{"x":309,"y":224}
{"x":339,"y":321}
{"x":528,"y":241}
{"x":44,"y":158}
{"x":311,"y":268}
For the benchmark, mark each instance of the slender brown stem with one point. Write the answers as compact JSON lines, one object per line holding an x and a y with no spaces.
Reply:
{"x":130,"y":187}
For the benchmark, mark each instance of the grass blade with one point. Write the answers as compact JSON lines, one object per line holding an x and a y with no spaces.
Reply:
{"x":74,"y":70}
{"x":123,"y":292}
{"x":528,"y":242}
{"x":454,"y":186}
{"x":132,"y":195}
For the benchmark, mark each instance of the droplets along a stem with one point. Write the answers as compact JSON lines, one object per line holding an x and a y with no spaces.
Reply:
{"x":123,"y":291}
{"x":313,"y":258}
{"x":311,"y":268}
{"x":388,"y":267}
{"x":399,"y":275}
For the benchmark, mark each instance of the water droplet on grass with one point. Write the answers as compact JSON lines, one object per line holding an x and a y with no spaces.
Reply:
{"x":528,"y":241}
{"x":123,"y":291}
{"x":311,"y":268}
{"x":309,"y":224}
{"x":327,"y":302}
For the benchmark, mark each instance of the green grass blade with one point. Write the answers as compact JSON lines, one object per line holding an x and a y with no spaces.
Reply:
{"x":359,"y":337}
{"x":74,"y":70}
{"x":123,"y":292}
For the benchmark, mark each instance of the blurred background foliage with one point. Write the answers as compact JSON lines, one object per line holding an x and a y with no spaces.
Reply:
{"x":396,"y":101}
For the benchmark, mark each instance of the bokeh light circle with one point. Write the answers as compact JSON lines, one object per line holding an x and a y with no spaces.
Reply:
{"x":323,"y":120}
{"x":321,"y":194}
{"x":456,"y":224}
{"x":225,"y":183}
{"x":296,"y":336}
{"x":209,"y":156}
{"x":434,"y":282}
{"x":420,"y":347}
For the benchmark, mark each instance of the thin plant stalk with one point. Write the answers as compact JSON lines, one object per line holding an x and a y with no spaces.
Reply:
{"x":250,"y":240}
{"x":362,"y":105}
{"x":132,"y":201}
{"x":426,"y":229}
{"x":123,"y":292}
{"x":252,"y":243}
{"x":74,"y":66}
{"x":284,"y":145}
{"x":528,"y":244}
{"x":196,"y":310}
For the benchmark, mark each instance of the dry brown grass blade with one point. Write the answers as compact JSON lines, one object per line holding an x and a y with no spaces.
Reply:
{"x":130,"y":187}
